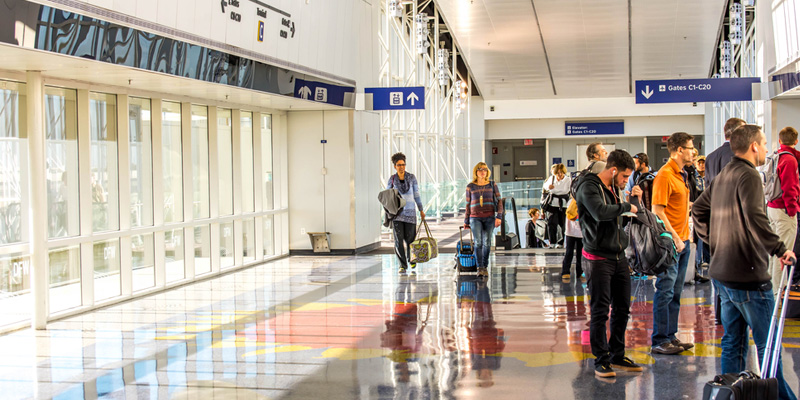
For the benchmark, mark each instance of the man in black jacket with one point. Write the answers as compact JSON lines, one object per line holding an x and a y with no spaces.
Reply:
{"x":600,"y":206}
{"x":731,"y":218}
{"x":720,"y":157}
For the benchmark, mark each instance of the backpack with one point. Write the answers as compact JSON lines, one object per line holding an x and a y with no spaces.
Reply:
{"x":645,"y":182}
{"x":576,"y":178}
{"x":770,"y":178}
{"x":651,"y":250}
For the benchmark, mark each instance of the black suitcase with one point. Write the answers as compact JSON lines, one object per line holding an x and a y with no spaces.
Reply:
{"x":747,"y":384}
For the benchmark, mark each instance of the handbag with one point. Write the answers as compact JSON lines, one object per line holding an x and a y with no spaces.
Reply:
{"x":424,"y":248}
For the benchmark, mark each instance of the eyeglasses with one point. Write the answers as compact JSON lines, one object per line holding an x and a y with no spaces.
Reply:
{"x":399,"y":165}
{"x":688,"y":148}
{"x":483,"y":169}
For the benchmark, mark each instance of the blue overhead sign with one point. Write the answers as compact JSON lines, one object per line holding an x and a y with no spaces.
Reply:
{"x":397,"y":98}
{"x":695,"y":90}
{"x":788,"y":81}
{"x":321,"y":92}
{"x":594,"y":128}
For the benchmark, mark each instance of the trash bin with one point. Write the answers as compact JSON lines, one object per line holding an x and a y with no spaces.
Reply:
{"x":320,"y":241}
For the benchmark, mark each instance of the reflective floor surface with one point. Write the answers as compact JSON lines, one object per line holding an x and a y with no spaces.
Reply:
{"x":351,"y":327}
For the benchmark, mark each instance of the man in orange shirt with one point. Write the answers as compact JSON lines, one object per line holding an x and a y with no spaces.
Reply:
{"x":671,"y":204}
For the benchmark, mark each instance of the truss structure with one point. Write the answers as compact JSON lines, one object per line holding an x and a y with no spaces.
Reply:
{"x":436,"y":140}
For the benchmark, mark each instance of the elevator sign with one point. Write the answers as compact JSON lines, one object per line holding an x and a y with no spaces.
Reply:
{"x":397,"y":98}
{"x":594,"y":128}
{"x":695,"y":90}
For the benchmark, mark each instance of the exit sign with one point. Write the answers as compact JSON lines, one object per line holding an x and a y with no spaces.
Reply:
{"x":528,"y":142}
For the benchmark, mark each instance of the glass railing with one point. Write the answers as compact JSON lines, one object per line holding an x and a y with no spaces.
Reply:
{"x":527,"y":194}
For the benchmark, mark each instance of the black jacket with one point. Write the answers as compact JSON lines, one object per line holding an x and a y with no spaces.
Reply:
{"x":717,"y":160}
{"x":600,"y":218}
{"x":731,"y":217}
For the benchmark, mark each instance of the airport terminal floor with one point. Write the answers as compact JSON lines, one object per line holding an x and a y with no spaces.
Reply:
{"x":345,"y":327}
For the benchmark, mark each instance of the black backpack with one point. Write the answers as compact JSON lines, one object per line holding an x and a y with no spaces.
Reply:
{"x":651,"y":248}
{"x":576,"y":178}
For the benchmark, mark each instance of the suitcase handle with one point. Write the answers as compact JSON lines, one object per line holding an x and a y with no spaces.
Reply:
{"x":769,"y":365}
{"x":461,"y":235}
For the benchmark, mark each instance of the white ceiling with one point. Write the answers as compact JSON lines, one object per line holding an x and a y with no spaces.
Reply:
{"x":586,"y":43}
{"x":128,"y":80}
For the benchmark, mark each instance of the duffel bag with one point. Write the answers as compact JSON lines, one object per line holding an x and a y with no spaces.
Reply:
{"x":424,"y":248}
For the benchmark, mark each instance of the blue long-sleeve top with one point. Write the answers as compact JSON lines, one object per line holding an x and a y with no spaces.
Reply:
{"x":409,"y":214}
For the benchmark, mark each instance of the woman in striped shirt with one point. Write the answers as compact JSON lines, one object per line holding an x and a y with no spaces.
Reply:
{"x":484,"y":213}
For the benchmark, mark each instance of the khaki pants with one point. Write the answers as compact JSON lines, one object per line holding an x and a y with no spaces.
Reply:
{"x":786,"y":228}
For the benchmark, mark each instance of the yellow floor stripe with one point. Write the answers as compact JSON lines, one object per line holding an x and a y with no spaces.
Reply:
{"x":272,"y":350}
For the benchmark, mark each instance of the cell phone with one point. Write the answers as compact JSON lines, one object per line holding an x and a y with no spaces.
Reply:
{"x":629,"y":214}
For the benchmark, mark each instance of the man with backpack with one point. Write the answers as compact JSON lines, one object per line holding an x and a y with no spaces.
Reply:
{"x":642,"y":177}
{"x":783,"y":207}
{"x":671,"y":205}
{"x":600,"y":206}
{"x":730,"y":217}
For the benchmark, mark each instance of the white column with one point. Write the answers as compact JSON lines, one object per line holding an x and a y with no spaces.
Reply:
{"x":123,"y":151}
{"x":38,"y":200}
{"x":85,"y":196}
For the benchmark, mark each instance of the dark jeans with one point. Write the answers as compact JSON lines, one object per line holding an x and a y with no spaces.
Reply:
{"x":557,"y":218}
{"x":609,"y":283}
{"x":742,"y":309}
{"x":404,"y":234}
{"x":575,"y":245}
{"x":482,"y":229}
{"x":667,"y":299}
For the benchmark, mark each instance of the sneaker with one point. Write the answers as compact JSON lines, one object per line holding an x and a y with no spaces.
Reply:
{"x":626,"y":364}
{"x":565,"y":278}
{"x":685,"y":346}
{"x":666,"y":348}
{"x":402,"y":270}
{"x":413,"y":265}
{"x":700,"y":279}
{"x":604,"y":371}
{"x":483,"y":271}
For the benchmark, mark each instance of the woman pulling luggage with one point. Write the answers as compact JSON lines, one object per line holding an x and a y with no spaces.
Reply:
{"x":484,"y":213}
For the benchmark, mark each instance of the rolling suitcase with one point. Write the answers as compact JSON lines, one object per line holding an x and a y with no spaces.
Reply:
{"x":466,"y":260}
{"x":747,"y":384}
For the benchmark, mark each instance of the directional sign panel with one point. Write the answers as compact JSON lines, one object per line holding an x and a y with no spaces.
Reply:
{"x":397,"y":98}
{"x":594,"y":128}
{"x":321,"y":92}
{"x":695,"y":90}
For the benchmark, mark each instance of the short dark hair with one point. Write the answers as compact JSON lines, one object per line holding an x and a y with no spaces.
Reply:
{"x":593,"y":150}
{"x":620,"y":159}
{"x":743,"y":136}
{"x":731,"y":124}
{"x":642,"y":157}
{"x":677,"y":140}
{"x":788,"y":135}
{"x":397,"y":157}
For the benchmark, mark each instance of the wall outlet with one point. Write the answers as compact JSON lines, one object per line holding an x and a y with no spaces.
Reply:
{"x":302,"y":231}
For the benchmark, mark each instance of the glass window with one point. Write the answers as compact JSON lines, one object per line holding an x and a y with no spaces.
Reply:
{"x":61,"y":132}
{"x":15,"y":284}
{"x":269,"y":244}
{"x":248,"y":241}
{"x":143,"y":265}
{"x":225,"y":149}
{"x":226,"y":245}
{"x":202,"y":249}
{"x":266,"y":161}
{"x":103,"y":159}
{"x":200,"y":161}
{"x":173,"y":246}
{"x":246,"y":136}
{"x":107,"y":282}
{"x":13,"y":164}
{"x":173,"y":162}
{"x":65,"y":278}
{"x":141,"y":162}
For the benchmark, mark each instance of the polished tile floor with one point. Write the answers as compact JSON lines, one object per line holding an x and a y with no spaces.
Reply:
{"x":351,"y":327}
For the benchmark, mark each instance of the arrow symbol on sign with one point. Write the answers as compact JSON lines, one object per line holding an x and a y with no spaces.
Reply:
{"x":304,"y":92}
{"x":412,"y":98}
{"x":647,"y":92}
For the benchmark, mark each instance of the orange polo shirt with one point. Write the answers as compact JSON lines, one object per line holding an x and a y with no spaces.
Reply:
{"x":671,"y":190}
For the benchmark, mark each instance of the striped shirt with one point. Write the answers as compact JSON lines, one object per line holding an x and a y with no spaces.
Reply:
{"x":481,"y":202}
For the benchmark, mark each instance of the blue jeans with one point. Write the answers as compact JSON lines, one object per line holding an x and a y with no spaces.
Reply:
{"x":701,"y":254}
{"x":482,"y":229}
{"x":740,"y":309}
{"x":667,"y":300}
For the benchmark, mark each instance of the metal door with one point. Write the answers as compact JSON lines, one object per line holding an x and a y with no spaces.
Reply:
{"x":530,"y":163}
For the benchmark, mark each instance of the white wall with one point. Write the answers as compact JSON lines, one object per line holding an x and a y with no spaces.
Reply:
{"x":553,"y":128}
{"x":584,"y":108}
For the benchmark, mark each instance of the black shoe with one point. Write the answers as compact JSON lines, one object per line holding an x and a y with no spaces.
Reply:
{"x":604,"y":371}
{"x":626,"y":364}
{"x":700,"y":279}
{"x":685,"y":346}
{"x":413,"y":265}
{"x":666,"y":348}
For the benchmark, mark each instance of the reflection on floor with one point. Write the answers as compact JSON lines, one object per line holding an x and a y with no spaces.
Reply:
{"x":351,"y":327}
